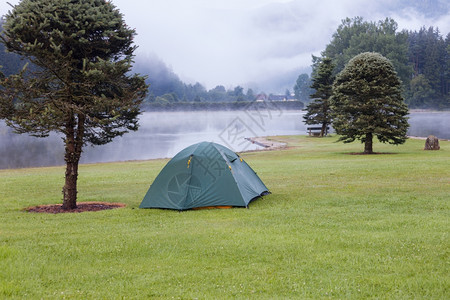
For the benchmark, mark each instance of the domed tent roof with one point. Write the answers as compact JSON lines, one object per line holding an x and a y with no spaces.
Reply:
{"x":203,"y":175}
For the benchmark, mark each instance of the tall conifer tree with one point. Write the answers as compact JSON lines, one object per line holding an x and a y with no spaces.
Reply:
{"x":367,"y":102}
{"x":81,"y":87}
{"x":318,"y":111}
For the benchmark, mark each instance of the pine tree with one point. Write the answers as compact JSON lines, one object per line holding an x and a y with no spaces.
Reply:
{"x":367,"y":102}
{"x":429,"y":57}
{"x":81,"y":87}
{"x":318,"y":111}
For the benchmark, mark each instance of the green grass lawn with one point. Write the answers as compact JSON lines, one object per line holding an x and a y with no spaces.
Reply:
{"x":335,"y":226}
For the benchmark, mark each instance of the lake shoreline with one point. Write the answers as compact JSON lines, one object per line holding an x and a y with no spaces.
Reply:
{"x":268,"y":143}
{"x":164,"y":134}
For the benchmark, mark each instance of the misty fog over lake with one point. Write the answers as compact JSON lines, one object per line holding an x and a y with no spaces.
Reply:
{"x":163,"y":134}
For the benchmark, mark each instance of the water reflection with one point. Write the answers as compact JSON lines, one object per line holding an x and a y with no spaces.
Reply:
{"x":163,"y":134}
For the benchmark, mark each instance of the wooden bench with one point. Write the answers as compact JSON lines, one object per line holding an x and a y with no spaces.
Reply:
{"x":315,"y":131}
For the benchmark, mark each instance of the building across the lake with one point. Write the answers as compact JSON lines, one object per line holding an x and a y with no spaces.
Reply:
{"x":271,"y":97}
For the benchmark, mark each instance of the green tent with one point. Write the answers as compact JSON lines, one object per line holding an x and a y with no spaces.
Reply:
{"x":204,"y":175}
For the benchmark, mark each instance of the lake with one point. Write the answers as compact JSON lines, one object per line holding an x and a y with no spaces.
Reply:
{"x":163,"y":134}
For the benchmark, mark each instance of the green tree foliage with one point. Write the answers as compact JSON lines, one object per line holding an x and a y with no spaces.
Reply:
{"x":412,"y":53}
{"x":81,"y":87}
{"x":446,"y":74}
{"x":318,"y":111}
{"x":238,"y":93}
{"x":428,"y":54}
{"x":302,"y":88}
{"x":250,"y":96}
{"x":420,"y":92}
{"x":367,"y":102}
{"x":10,"y":63}
{"x":218,"y":94}
{"x":355,"y":36}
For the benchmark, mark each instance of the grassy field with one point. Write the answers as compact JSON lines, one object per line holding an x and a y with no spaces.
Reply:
{"x":335,"y":226}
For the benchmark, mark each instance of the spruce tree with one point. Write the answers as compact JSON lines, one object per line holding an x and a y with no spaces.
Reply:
{"x":367,"y":102}
{"x":318,"y":111}
{"x":81,"y":87}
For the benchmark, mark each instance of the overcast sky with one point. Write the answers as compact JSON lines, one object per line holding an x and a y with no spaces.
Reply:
{"x":236,"y":42}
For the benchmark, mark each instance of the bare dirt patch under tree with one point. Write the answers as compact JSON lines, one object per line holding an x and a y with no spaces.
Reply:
{"x":81,"y":207}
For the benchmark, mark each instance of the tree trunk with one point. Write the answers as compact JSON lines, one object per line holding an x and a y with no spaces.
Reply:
{"x":368,"y":145}
{"x":70,"y":186}
{"x":323,"y":131}
{"x":74,"y":143}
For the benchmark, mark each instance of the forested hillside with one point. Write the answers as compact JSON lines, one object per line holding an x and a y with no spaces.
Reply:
{"x":421,"y":59}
